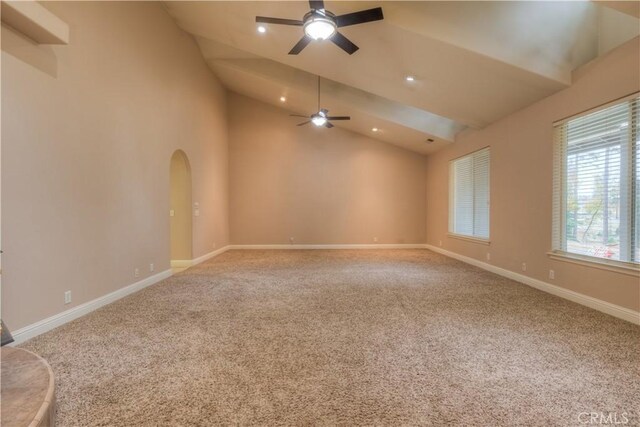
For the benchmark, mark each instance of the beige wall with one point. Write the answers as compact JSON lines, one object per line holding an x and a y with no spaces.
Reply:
{"x":318,"y":185}
{"x":521,"y":182}
{"x":88,"y":131}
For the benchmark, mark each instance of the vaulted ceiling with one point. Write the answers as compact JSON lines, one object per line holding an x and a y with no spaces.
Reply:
{"x":473,"y":62}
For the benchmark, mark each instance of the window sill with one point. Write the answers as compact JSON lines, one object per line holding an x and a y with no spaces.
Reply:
{"x":628,"y":268}
{"x":470,"y":238}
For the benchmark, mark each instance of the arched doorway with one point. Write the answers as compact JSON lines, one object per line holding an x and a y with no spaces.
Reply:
{"x":180,"y":210}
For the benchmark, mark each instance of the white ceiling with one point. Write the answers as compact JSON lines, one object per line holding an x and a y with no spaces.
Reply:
{"x":474,"y":62}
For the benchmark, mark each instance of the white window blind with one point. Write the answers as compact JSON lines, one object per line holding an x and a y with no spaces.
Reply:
{"x":469,"y":195}
{"x":596,"y":192}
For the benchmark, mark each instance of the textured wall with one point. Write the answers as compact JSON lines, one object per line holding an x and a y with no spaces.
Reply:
{"x":88,"y":131}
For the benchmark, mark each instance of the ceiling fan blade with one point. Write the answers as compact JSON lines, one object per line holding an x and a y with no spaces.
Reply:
{"x":328,"y":125}
{"x":344,"y":43}
{"x":316,"y":4}
{"x":298,"y":115}
{"x":338,"y":118}
{"x":304,"y":41}
{"x":361,"y":17}
{"x":303,"y":123}
{"x":280,"y":21}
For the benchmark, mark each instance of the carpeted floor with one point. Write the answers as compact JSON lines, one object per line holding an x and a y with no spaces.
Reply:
{"x":383,"y":337}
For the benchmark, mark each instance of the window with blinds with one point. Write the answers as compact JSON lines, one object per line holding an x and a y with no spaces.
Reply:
{"x":469,"y":195}
{"x":596,"y":192}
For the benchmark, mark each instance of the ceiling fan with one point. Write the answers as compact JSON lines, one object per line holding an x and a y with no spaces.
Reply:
{"x":320,"y":118}
{"x":320,"y":24}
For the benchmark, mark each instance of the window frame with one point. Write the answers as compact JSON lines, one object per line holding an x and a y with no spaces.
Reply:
{"x":451,"y":219}
{"x":559,"y":245}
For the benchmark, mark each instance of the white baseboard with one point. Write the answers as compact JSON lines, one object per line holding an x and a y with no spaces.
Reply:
{"x":597,"y":304}
{"x":35,"y":329}
{"x":60,"y":319}
{"x":210,"y":255}
{"x":337,"y":246}
{"x":186,"y":263}
{"x":181,"y":263}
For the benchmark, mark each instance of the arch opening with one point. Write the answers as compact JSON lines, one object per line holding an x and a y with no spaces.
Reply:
{"x":180,"y":210}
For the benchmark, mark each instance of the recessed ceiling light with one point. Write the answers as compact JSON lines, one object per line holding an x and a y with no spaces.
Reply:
{"x":374,"y":129}
{"x":409,"y":78}
{"x":283,"y":99}
{"x":262,"y":29}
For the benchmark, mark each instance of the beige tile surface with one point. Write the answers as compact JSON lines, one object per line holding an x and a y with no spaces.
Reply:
{"x":27,"y":389}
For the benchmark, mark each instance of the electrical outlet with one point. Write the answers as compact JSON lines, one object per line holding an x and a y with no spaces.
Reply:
{"x":290,"y":239}
{"x":67,"y":297}
{"x":213,"y":245}
{"x":375,"y":240}
{"x":152,"y":267}
{"x":136,"y":272}
{"x":488,"y":256}
{"x":524,"y":266}
{"x":439,"y":242}
{"x":552,"y":274}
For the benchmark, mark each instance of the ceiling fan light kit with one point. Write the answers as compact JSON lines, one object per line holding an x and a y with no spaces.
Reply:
{"x":318,"y":119}
{"x":319,"y":24}
{"x":319,"y":27}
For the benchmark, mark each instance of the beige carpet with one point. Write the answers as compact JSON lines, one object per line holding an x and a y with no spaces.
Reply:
{"x":397,"y":337}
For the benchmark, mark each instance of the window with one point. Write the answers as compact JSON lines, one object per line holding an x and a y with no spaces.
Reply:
{"x":469,"y":195}
{"x":596,"y":192}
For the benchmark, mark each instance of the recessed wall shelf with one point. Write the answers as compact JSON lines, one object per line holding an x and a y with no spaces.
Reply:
{"x":34,"y":21}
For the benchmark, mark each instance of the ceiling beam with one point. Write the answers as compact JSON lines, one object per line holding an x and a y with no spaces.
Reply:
{"x":631,"y":8}
{"x":370,"y":104}
{"x":33,"y":20}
